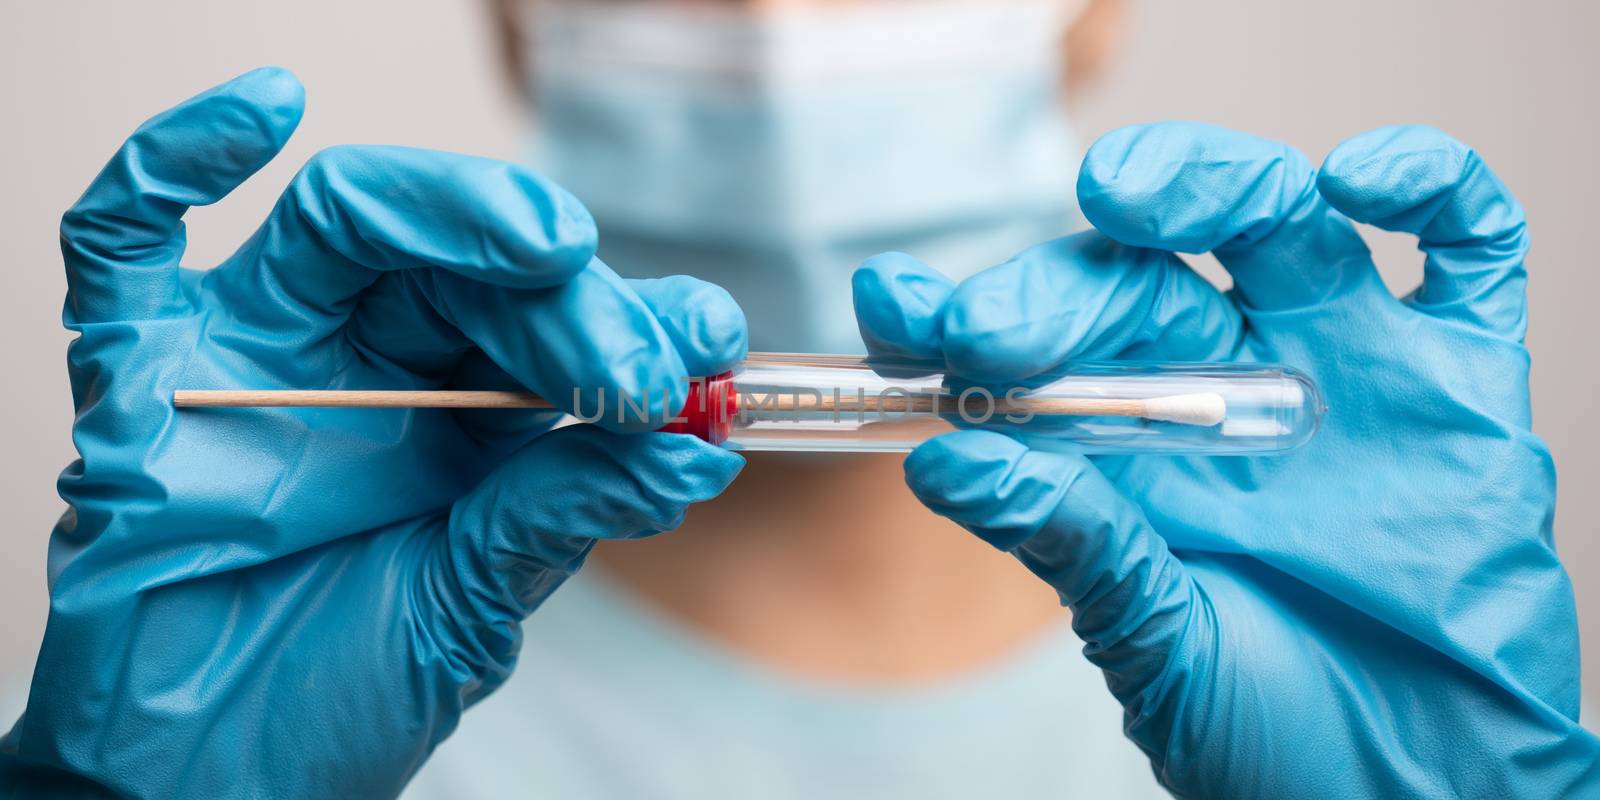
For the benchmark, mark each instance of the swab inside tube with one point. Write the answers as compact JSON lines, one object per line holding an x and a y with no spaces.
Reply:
{"x":804,"y":402}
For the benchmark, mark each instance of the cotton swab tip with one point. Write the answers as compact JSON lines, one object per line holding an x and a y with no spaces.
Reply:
{"x":1204,"y":408}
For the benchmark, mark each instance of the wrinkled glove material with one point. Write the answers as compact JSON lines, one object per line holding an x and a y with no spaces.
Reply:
{"x":301,"y":602}
{"x":1378,"y":614}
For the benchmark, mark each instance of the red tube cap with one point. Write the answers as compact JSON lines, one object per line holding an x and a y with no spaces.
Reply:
{"x":709,"y":410}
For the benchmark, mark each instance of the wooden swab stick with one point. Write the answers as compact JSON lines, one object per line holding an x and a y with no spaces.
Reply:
{"x":358,"y":398}
{"x":1206,"y":408}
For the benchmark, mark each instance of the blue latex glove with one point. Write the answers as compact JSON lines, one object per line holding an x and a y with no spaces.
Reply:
{"x":1378,"y":614}
{"x":300,"y":602}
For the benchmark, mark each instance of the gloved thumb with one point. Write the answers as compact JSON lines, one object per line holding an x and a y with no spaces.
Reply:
{"x":122,"y":241}
{"x":1132,"y":601}
{"x":529,"y":525}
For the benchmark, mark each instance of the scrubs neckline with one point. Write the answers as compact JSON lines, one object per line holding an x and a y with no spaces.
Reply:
{"x":681,"y":652}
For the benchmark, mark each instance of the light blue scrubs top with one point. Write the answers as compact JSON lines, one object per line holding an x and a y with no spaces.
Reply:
{"x":611,"y":699}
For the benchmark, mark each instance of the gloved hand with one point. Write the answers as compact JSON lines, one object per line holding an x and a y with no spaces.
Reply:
{"x":1378,"y":614}
{"x":300,"y":602}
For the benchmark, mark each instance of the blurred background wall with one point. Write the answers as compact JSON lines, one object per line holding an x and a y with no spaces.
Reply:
{"x":1514,"y":80}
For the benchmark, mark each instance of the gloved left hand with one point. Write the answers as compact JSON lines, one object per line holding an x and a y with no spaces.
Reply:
{"x":1380,"y":613}
{"x":300,"y":602}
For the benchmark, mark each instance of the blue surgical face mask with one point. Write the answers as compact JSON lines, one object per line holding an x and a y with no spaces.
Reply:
{"x":772,"y":150}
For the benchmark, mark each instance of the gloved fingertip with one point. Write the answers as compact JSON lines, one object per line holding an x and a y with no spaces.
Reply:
{"x":488,"y":221}
{"x":705,"y":324}
{"x":1022,"y":317}
{"x":205,"y":147}
{"x":936,"y":461}
{"x":634,"y":392}
{"x":986,"y":337}
{"x":561,"y":491}
{"x":1103,"y":161}
{"x":1393,"y":177}
{"x":556,"y":242}
{"x":899,"y":302}
{"x":933,"y":469}
{"x":640,"y":400}
{"x":1189,"y":187}
{"x":718,"y":466}
{"x":676,"y":470}
{"x":592,"y":346}
{"x":1118,"y":185}
{"x":272,"y":89}
{"x":988,"y":483}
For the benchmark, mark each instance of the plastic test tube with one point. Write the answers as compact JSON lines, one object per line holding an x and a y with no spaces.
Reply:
{"x":806,"y":402}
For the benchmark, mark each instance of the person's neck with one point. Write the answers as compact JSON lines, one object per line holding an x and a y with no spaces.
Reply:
{"x":828,"y":567}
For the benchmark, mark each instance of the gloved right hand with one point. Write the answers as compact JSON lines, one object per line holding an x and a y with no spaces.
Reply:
{"x":1380,"y":613}
{"x":298,"y":602}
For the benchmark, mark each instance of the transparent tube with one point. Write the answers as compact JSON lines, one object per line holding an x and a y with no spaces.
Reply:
{"x":807,"y":402}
